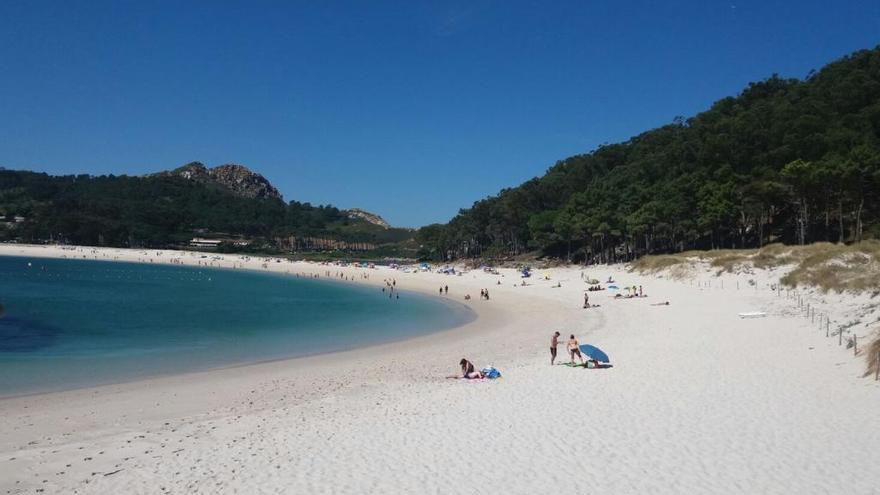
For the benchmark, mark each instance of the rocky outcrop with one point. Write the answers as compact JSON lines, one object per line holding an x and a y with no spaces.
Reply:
{"x":357,"y":213}
{"x":236,"y":178}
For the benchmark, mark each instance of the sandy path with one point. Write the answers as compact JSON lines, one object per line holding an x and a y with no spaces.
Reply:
{"x":698,"y":401}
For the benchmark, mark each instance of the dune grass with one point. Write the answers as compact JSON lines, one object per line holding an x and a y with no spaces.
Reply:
{"x":827,"y":266}
{"x":837,"y":267}
{"x":653,"y":264}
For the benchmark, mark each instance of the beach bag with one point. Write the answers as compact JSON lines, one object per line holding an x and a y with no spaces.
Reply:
{"x":490,"y":372}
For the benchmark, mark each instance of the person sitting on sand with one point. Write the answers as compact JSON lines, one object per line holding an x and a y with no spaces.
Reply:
{"x":574,"y":349}
{"x":467,"y":297}
{"x":468,"y":371}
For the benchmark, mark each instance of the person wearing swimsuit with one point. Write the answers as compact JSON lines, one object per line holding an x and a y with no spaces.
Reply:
{"x":468,"y":371}
{"x":554,"y":342}
{"x":574,"y":349}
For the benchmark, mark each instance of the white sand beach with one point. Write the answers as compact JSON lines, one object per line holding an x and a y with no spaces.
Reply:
{"x":698,"y":400}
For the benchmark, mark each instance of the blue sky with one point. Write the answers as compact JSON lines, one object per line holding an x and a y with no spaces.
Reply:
{"x":408,"y":109}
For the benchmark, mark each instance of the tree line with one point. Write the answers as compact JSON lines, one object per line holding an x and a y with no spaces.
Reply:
{"x":786,"y":160}
{"x":157,"y":211}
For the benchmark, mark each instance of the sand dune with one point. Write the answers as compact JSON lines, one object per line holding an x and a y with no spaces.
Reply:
{"x":698,"y":400}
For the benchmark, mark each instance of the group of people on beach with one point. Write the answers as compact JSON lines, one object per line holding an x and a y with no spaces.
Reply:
{"x":484,"y":294}
{"x":631,"y":292}
{"x":573,"y":346}
{"x":470,"y":372}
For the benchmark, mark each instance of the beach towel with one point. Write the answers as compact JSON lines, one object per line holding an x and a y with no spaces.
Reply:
{"x":490,"y":373}
{"x":753,"y":314}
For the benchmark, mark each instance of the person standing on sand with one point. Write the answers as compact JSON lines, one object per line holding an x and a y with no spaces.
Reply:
{"x":574,"y":349}
{"x":554,"y":342}
{"x":586,"y":300}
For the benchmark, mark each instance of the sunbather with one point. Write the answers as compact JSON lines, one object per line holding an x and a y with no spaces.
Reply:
{"x":468,"y":371}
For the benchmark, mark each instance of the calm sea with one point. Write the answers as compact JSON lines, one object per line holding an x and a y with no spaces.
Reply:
{"x":75,"y":323}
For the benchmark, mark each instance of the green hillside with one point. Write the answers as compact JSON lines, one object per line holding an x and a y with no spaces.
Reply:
{"x":786,"y":160}
{"x":162,"y":210}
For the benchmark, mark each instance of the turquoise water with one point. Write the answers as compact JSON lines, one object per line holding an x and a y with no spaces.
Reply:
{"x":74,"y":323}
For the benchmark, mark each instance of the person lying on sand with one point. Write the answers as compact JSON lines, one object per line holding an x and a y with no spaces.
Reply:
{"x":574,"y":349}
{"x":665,"y":303}
{"x":468,"y":371}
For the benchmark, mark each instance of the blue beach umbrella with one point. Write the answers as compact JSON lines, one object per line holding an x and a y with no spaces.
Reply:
{"x":594,"y":353}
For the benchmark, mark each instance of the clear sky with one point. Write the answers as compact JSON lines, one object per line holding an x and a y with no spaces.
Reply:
{"x":408,"y":109}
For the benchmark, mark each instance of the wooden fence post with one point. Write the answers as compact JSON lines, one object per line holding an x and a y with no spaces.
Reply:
{"x":827,"y":326}
{"x":839,"y":336}
{"x":855,"y":344}
{"x":877,"y":371}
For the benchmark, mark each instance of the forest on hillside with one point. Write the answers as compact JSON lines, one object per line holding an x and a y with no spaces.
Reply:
{"x":787,"y":160}
{"x":162,"y":211}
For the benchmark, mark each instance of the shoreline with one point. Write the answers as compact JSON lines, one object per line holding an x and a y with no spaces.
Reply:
{"x":470,"y":315}
{"x":697,"y":400}
{"x":123,"y":255}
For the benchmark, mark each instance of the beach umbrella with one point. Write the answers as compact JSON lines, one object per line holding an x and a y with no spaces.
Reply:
{"x":594,"y":353}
